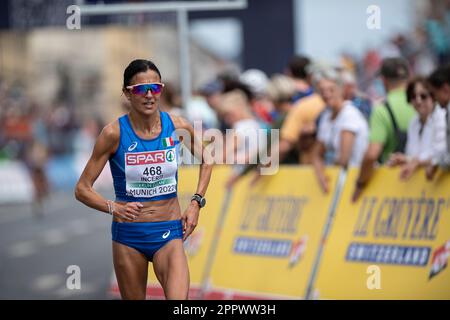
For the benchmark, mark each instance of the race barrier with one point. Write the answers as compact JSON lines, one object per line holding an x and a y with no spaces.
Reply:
{"x":283,"y":238}
{"x":16,"y":185}
{"x":393,"y":243}
{"x":273,"y":231}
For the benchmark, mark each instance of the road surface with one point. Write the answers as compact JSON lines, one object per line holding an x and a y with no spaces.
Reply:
{"x":35,"y":253}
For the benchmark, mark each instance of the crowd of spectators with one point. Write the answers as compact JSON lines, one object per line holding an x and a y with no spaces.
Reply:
{"x":388,"y":107}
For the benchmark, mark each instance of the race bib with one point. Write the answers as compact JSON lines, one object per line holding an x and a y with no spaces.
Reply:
{"x":151,"y":174}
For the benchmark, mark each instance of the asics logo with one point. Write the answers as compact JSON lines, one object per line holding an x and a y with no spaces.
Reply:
{"x":165,"y":235}
{"x":132,"y":146}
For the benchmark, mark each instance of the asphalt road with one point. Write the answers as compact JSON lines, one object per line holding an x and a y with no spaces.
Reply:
{"x":35,"y":253}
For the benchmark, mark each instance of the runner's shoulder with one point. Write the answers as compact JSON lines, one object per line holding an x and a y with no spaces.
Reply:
{"x":111,"y":133}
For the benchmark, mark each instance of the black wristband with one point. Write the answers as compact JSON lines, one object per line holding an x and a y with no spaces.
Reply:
{"x":199,"y":199}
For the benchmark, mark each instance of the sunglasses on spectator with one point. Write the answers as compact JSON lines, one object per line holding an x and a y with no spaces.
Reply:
{"x":423,"y":96}
{"x":143,"y":88}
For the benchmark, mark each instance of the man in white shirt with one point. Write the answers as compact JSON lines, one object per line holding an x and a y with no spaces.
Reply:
{"x":440,"y":83}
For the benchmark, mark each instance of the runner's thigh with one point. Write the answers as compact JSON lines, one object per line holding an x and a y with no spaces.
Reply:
{"x":131,"y":268}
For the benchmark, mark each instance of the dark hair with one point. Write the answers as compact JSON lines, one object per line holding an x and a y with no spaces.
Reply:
{"x":412,"y":85}
{"x":395,"y":69}
{"x":138,"y":66}
{"x":440,"y":76}
{"x":297,"y":66}
{"x":237,"y":85}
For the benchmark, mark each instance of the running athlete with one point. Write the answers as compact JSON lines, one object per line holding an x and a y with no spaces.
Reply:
{"x":148,"y":224}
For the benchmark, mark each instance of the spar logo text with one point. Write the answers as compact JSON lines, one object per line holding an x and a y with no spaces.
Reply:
{"x":143,"y":158}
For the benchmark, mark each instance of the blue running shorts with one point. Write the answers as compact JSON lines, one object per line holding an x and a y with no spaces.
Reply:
{"x":146,"y":237}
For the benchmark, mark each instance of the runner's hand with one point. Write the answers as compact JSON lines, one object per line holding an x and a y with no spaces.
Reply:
{"x":129,"y":211}
{"x":190,"y":219}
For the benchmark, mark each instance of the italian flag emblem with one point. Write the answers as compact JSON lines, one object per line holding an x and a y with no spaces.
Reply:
{"x":168,"y":142}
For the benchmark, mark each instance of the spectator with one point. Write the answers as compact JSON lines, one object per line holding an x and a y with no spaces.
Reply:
{"x":342,"y":127}
{"x":440,"y":86}
{"x":212,"y":92}
{"x":198,"y":110}
{"x":236,"y":112}
{"x":236,"y":85}
{"x":358,"y":99}
{"x":62,"y":125}
{"x":299,"y":127}
{"x":419,"y":145}
{"x":280,"y":91}
{"x":297,"y":70}
{"x":437,"y":26}
{"x":387,"y":121}
{"x":257,"y":81}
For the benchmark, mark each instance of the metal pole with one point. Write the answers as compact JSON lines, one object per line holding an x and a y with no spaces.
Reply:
{"x":184,"y":59}
{"x":182,"y":8}
{"x":127,"y":8}
{"x":309,"y":295}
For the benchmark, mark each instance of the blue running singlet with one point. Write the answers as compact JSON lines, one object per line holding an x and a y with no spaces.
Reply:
{"x":145,"y":169}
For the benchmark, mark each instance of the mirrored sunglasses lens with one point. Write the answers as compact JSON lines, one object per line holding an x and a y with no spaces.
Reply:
{"x":155,"y":88}
{"x":140,"y":90}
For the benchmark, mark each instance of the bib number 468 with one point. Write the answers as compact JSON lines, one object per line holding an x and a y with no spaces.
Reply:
{"x":152,"y":171}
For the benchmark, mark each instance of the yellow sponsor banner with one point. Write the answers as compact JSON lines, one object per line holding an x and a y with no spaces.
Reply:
{"x":271,"y":235}
{"x":197,"y":246}
{"x":393,"y":243}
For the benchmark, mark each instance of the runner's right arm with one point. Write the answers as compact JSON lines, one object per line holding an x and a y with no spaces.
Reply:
{"x":106,"y":144}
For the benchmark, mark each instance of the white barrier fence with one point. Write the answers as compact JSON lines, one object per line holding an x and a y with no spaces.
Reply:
{"x":16,"y":185}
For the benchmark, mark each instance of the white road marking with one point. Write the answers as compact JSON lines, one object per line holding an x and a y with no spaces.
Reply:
{"x":22,"y":249}
{"x":55,"y":204}
{"x":48,"y":282}
{"x":55,"y":237}
{"x":4,"y":218}
{"x":86,"y":288}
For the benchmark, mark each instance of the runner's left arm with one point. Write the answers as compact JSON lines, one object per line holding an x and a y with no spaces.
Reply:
{"x":195,"y":146}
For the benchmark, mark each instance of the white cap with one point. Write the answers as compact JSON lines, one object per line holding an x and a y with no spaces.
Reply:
{"x":256,"y":80}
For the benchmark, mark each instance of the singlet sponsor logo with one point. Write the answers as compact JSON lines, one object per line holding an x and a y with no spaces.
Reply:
{"x":140,"y":158}
{"x":170,"y":156}
{"x":132,"y":146}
